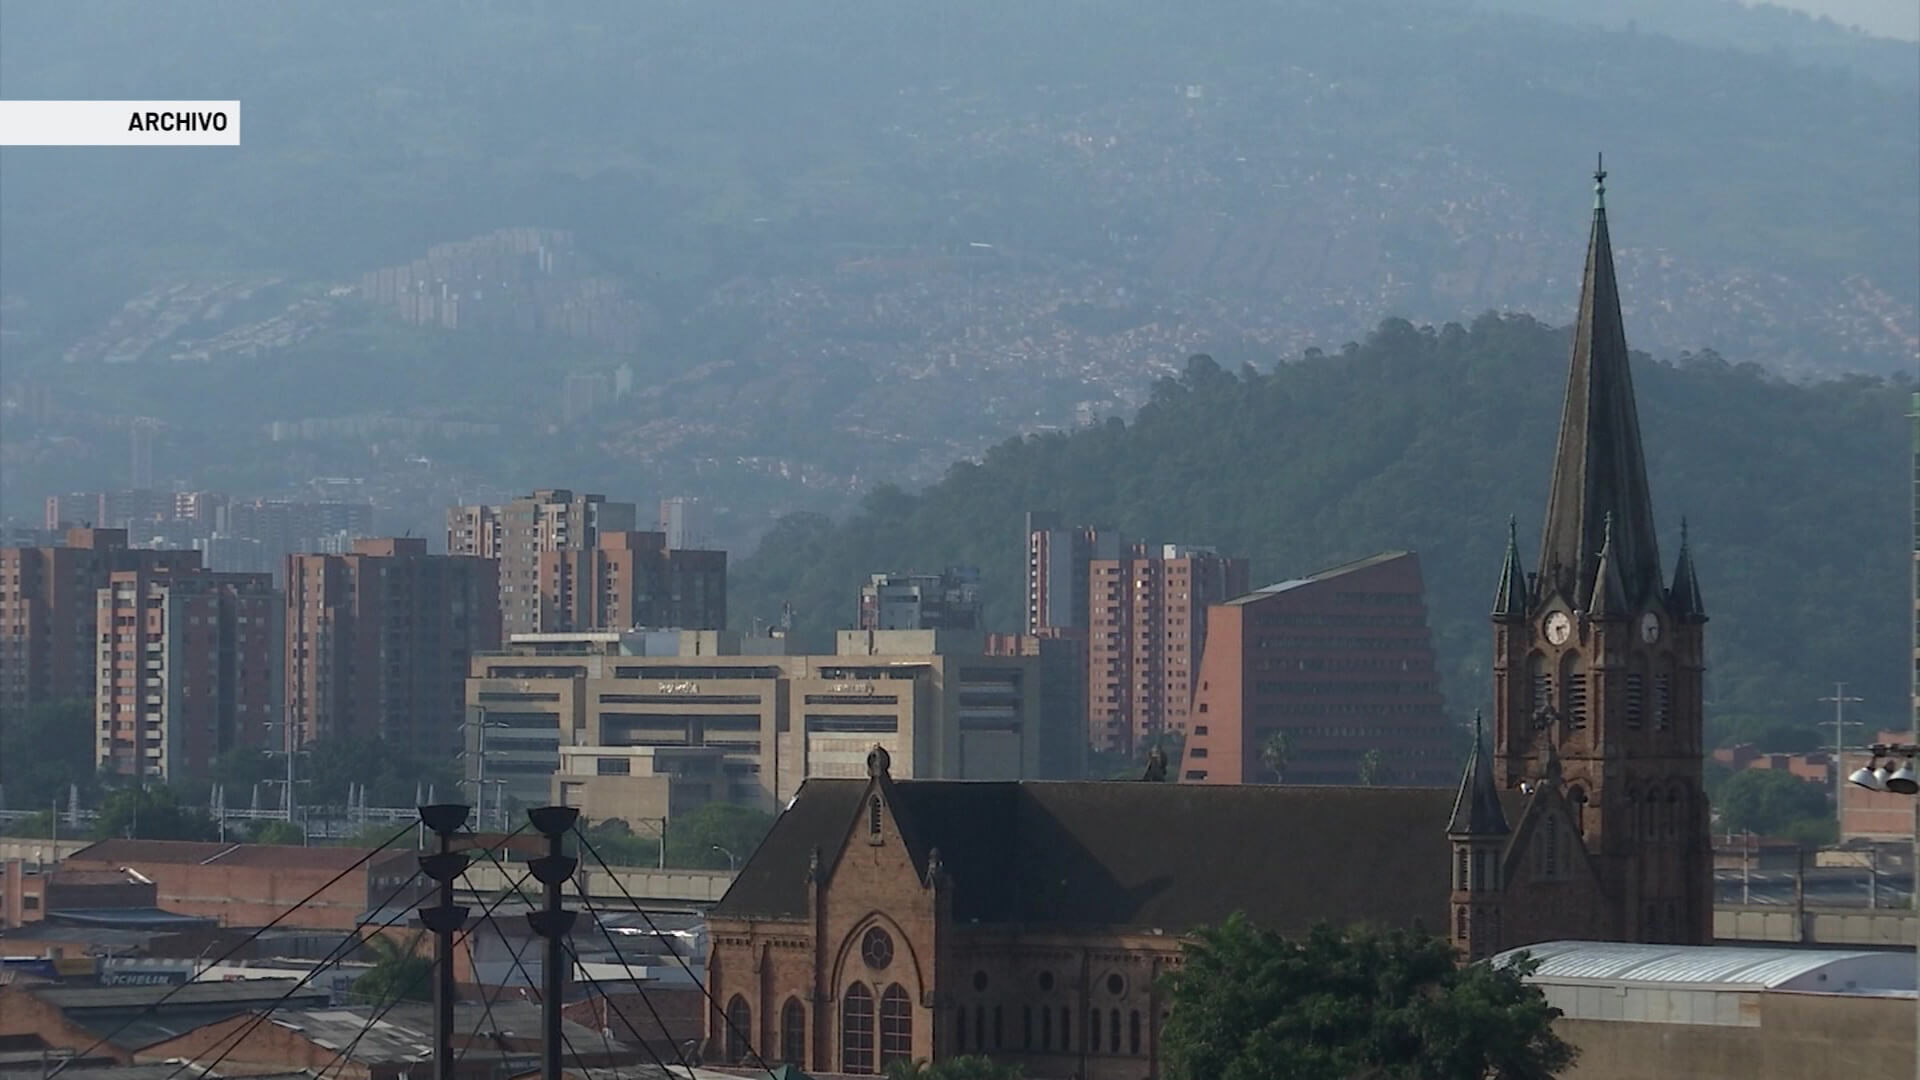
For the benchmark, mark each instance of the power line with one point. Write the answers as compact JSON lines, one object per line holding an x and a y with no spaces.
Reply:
{"x":745,"y":1040}
{"x":341,"y":949}
{"x":593,"y":984}
{"x":486,"y":911}
{"x":487,"y":914}
{"x":631,"y":977}
{"x":230,"y":953}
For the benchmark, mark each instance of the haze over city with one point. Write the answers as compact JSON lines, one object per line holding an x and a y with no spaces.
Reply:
{"x":1077,"y":541}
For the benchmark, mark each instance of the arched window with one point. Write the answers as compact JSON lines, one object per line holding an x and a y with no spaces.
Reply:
{"x":793,"y":1032}
{"x":1113,"y":1030}
{"x":979,"y":1027}
{"x":960,"y":1030}
{"x":1066,"y":1028}
{"x":1460,"y":868}
{"x":1460,"y":923}
{"x":1026,"y":1027}
{"x":1539,"y":685}
{"x":1663,"y":701}
{"x":1676,"y":809}
{"x":873,"y":818}
{"x":1046,"y":1028}
{"x":1093,"y":1031}
{"x":1573,"y":691}
{"x":896,"y":1026}
{"x":999,"y":1033}
{"x":739,"y":1022}
{"x":1133,"y":1033}
{"x":1550,"y":846}
{"x":856,"y":1031}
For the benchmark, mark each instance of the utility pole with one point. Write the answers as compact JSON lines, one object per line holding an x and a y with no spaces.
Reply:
{"x":442,"y":920}
{"x":1840,"y":700}
{"x":553,"y":870}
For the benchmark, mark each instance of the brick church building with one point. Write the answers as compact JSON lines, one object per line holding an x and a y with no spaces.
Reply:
{"x":1032,"y":921}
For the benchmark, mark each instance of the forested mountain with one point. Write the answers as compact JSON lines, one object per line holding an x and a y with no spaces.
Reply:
{"x":835,"y":243}
{"x":1429,"y":439}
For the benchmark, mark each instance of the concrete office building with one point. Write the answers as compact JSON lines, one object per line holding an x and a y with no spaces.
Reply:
{"x":379,"y":641}
{"x":937,"y":700}
{"x":517,"y":533}
{"x":1147,"y":623}
{"x":944,"y":601}
{"x":189,"y":667}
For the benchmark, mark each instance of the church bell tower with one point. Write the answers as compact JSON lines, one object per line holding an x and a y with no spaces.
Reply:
{"x":1597,"y":657}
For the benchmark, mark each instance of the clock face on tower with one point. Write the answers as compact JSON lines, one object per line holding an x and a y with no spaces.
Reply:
{"x":1559,"y":628}
{"x":1649,"y":628}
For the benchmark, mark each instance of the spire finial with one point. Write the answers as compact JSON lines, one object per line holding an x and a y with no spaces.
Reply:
{"x":1606,"y":538}
{"x":1683,"y":530}
{"x":1476,"y":727}
{"x":1599,"y":181}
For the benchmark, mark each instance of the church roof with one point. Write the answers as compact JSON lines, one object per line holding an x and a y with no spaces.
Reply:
{"x":1131,"y":854}
{"x":1599,"y":468}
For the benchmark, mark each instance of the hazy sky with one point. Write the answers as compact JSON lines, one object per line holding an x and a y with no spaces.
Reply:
{"x":1888,"y":18}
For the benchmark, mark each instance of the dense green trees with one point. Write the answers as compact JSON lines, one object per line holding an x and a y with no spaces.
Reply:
{"x":1428,"y":439}
{"x":43,"y":750}
{"x":1770,"y":802}
{"x":400,"y":971}
{"x":1252,"y":1005}
{"x":700,"y":839}
{"x":152,"y":813}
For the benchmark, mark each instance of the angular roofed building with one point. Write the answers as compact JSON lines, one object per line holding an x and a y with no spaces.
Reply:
{"x":1325,"y":679}
{"x":1031,"y":921}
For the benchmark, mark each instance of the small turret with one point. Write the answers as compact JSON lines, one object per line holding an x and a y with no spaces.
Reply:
{"x":1683,"y":599}
{"x":1510,"y":601}
{"x":1476,"y":809}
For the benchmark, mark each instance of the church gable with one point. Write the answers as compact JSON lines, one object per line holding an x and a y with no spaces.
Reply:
{"x":1552,"y":888}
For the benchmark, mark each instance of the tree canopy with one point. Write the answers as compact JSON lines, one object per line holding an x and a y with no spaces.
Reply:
{"x":965,"y":1067}
{"x":152,"y":813}
{"x":1253,"y":1005}
{"x":1769,"y":801}
{"x":1429,"y":439}
{"x":44,"y":749}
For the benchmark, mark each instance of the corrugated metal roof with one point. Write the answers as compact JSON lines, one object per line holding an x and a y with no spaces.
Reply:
{"x":1716,"y":966}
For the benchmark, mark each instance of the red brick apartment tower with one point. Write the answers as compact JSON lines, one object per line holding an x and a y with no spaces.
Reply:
{"x":379,"y":641}
{"x":628,"y":580}
{"x":1147,"y":625}
{"x":1597,"y":660}
{"x":189,"y":667}
{"x":1342,"y":663}
{"x":47,"y":604}
{"x":518,"y":533}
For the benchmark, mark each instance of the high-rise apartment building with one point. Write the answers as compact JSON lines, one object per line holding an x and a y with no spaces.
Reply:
{"x":944,"y":601}
{"x":628,"y":581}
{"x":1057,"y":563}
{"x":517,"y":533}
{"x":188,"y":666}
{"x":1325,"y":679}
{"x":684,"y":519}
{"x":47,"y":611}
{"x":379,"y":641}
{"x":1147,"y":625}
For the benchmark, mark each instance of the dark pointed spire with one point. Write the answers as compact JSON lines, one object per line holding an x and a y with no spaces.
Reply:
{"x":1476,"y":809}
{"x":1598,"y":468}
{"x":1683,"y":599}
{"x":1609,"y":600}
{"x":1510,"y":600}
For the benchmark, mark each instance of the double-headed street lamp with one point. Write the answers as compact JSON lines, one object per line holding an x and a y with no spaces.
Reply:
{"x":1876,"y":775}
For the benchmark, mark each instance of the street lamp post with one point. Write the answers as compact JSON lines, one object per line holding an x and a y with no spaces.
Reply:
{"x":1876,"y":776}
{"x":733,"y":864}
